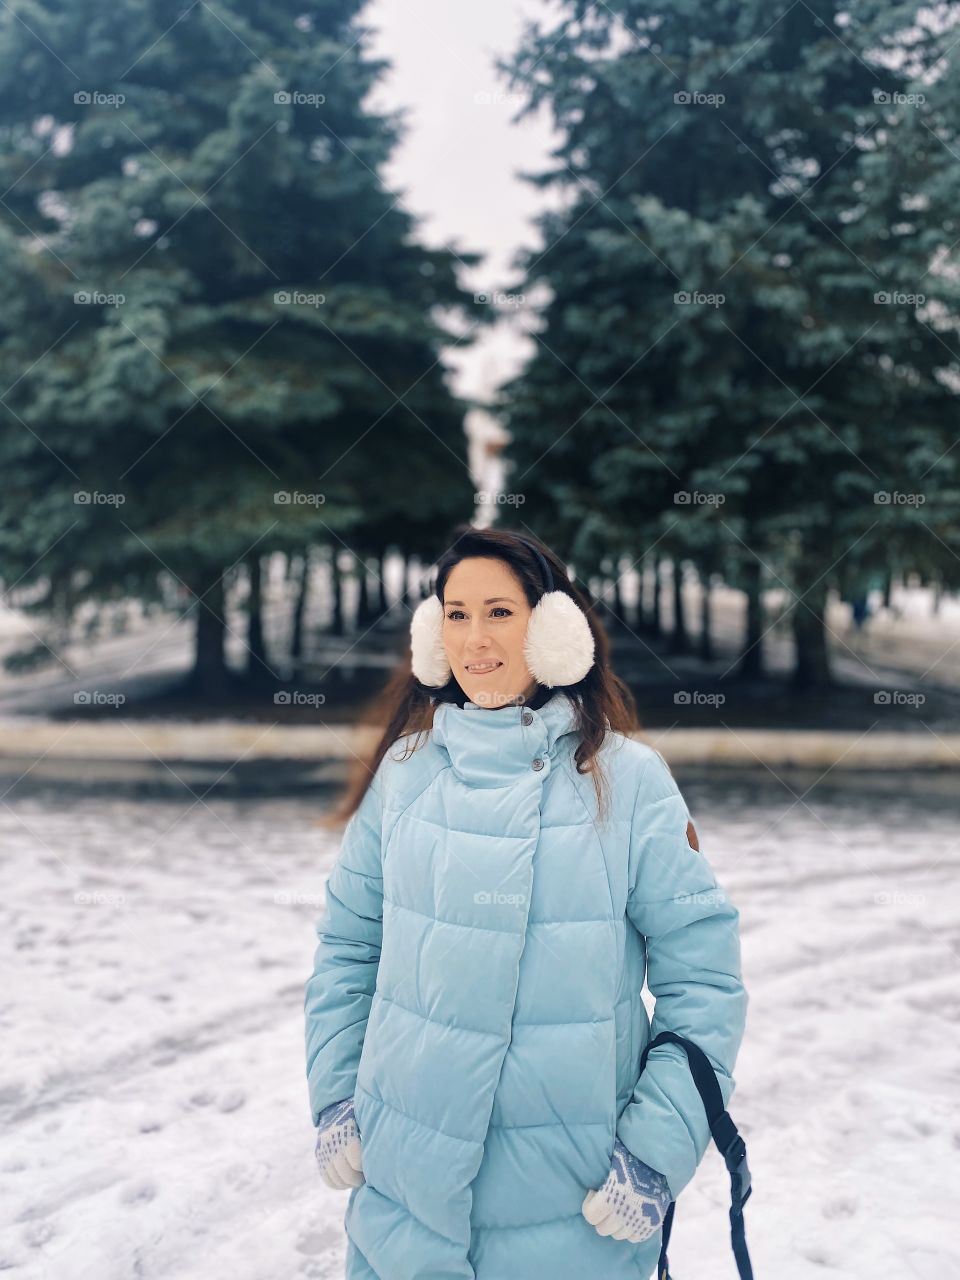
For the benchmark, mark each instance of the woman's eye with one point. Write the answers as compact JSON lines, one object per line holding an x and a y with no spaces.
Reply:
{"x":456,"y":614}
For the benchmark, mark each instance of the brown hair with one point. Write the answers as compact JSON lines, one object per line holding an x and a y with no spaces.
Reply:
{"x":601,"y":699}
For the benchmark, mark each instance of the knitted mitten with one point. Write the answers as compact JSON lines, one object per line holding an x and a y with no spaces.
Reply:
{"x":632,"y":1202}
{"x":338,"y":1146}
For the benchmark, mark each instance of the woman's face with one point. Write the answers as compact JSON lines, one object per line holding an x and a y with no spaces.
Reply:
{"x":485,"y":616}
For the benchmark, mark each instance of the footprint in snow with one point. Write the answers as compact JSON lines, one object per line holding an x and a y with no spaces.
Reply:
{"x":141,"y":1192}
{"x":313,"y":1243}
{"x":841,"y":1207}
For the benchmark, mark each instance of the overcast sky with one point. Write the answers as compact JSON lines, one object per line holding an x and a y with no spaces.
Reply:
{"x":457,"y":168}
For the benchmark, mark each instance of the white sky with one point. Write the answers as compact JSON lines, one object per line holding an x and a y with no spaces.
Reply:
{"x":457,"y":168}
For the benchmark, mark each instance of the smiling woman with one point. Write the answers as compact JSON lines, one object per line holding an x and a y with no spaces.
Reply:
{"x":474,"y":1024}
{"x":557,"y":646}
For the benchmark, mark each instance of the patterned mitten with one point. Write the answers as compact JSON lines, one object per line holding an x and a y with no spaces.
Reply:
{"x":632,"y":1202}
{"x":338,"y":1146}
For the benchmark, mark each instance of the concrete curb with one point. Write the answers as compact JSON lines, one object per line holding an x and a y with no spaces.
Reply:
{"x":232,"y":741}
{"x":808,"y":748}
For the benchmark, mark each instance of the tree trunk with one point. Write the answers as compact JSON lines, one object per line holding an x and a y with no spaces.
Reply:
{"x":336,"y":592}
{"x":61,"y":601}
{"x":637,"y":620}
{"x":750,"y":666}
{"x":405,"y":593}
{"x":656,"y":602}
{"x":299,"y":573}
{"x":257,"y":665}
{"x":646,"y":598}
{"x":383,"y":602}
{"x":210,"y":674}
{"x":706,"y":619}
{"x":364,"y":617}
{"x":811,"y":660}
{"x":680,"y":635}
{"x":619,"y":608}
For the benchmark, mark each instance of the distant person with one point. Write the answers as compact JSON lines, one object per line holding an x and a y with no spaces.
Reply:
{"x":860,"y":610}
{"x":474,"y":1021}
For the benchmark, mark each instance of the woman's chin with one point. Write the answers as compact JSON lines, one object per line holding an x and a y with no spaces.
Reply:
{"x":489,"y":696}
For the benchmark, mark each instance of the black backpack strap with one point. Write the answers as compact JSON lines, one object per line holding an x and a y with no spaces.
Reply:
{"x":731,"y":1145}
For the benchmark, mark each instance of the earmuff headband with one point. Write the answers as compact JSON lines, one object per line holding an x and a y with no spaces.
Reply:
{"x":548,"y":576}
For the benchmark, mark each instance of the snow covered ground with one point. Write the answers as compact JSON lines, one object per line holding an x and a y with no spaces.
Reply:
{"x":153,"y":1104}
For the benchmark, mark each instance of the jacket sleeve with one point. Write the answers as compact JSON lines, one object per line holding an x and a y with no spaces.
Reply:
{"x":693,"y":972}
{"x":349,"y":932}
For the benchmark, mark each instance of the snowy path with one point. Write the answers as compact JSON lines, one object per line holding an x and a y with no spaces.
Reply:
{"x":152,"y":1097}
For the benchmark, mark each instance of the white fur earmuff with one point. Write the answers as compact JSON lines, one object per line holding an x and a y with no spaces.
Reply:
{"x":558,"y":645}
{"x":430,"y":664}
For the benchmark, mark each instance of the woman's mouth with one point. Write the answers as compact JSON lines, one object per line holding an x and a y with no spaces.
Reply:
{"x":482,"y":668}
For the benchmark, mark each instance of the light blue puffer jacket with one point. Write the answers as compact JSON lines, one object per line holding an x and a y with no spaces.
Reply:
{"x":476,"y":989}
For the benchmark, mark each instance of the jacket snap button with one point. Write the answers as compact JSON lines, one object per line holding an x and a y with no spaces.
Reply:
{"x":527,"y":718}
{"x":538,"y":763}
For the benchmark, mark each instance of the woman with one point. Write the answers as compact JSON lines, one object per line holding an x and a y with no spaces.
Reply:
{"x":513,"y":867}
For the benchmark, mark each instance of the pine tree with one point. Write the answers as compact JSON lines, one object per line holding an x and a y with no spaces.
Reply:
{"x":216,"y":320}
{"x":743,"y":190}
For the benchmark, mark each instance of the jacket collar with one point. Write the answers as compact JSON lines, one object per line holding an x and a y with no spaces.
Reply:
{"x":492,"y":748}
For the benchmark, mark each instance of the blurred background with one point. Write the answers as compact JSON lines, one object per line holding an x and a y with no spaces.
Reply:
{"x":291,"y":289}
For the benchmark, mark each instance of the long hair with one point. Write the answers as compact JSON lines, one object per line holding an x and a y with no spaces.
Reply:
{"x":602,"y":701}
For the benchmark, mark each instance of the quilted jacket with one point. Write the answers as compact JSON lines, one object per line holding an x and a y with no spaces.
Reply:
{"x":476,"y":990}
